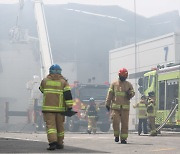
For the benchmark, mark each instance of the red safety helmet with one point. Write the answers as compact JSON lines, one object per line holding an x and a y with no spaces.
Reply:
{"x":123,"y":72}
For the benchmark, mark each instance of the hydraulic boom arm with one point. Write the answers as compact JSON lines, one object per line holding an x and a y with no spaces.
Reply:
{"x":44,"y":44}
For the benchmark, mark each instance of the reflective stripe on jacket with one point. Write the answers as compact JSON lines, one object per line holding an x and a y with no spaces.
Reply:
{"x":119,"y":95}
{"x":53,"y":88}
{"x":118,"y":107}
{"x":142,"y":111}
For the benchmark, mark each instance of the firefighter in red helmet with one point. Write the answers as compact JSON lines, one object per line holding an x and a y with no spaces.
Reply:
{"x":118,"y":101}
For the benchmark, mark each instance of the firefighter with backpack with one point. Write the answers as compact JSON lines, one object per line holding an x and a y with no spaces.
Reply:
{"x":91,"y":113}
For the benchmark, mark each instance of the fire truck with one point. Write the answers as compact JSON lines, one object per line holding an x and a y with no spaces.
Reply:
{"x":165,"y":82}
{"x":81,"y":94}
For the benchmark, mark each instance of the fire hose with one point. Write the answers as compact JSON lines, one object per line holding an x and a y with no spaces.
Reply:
{"x":172,"y":111}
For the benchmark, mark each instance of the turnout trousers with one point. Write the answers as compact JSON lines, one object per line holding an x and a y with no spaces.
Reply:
{"x":92,"y":124}
{"x":152,"y":125}
{"x":120,"y":117}
{"x":54,"y":127}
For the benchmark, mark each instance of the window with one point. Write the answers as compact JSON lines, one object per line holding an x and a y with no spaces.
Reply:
{"x":171,"y":92}
{"x":161,"y":95}
{"x":145,"y":85}
{"x":150,"y":80}
{"x":98,"y":93}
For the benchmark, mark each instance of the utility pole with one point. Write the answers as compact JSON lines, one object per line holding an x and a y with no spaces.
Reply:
{"x":135,"y":46}
{"x":135,"y":54}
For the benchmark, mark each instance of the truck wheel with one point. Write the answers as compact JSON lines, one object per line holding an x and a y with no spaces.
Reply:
{"x":104,"y":127}
{"x":73,"y":125}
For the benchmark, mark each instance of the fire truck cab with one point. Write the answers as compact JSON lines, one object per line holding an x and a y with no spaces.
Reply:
{"x":81,"y":94}
{"x":165,"y":82}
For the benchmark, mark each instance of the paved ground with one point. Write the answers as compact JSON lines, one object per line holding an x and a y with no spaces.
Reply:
{"x":166,"y":143}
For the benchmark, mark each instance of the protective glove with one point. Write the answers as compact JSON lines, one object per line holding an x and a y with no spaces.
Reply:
{"x":40,"y":90}
{"x":128,"y":95}
{"x":108,"y":108}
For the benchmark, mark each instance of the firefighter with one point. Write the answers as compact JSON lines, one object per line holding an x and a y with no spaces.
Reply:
{"x":118,"y":100}
{"x":57,"y":98}
{"x":142,"y":114}
{"x":91,"y":113}
{"x":151,"y":113}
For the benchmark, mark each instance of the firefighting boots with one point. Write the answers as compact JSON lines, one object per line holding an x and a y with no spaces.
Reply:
{"x":123,"y":142}
{"x":52,"y":146}
{"x":116,"y":139}
{"x":153,"y":133}
{"x":59,"y":146}
{"x":88,"y":131}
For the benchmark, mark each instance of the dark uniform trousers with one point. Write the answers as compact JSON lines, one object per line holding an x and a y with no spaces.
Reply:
{"x":120,"y":116}
{"x":142,"y":123}
{"x":54,"y":127}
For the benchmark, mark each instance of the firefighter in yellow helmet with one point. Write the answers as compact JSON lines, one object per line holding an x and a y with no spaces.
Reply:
{"x":142,"y":114}
{"x":91,"y":113}
{"x":57,"y":98}
{"x":118,"y":100}
{"x":151,"y":113}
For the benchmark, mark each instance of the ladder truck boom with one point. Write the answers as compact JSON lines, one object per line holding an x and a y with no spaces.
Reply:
{"x":44,"y":43}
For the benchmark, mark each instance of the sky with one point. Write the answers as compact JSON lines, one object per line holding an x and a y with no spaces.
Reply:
{"x":146,"y":8}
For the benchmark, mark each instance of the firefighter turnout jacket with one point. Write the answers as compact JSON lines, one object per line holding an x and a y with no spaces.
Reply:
{"x":56,"y":94}
{"x":142,"y":109}
{"x":91,"y":110}
{"x":119,"y":95}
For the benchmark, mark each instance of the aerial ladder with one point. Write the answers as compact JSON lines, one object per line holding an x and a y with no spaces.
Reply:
{"x":44,"y":43}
